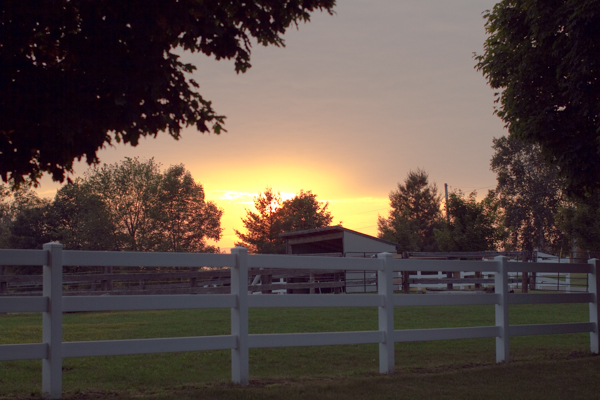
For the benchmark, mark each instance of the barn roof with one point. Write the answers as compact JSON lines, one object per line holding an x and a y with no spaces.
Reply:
{"x":329,"y":229}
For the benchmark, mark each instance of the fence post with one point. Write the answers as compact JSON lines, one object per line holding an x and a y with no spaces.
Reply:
{"x":52,"y":322}
{"x":385,"y":285}
{"x":594,"y":288}
{"x":239,"y":317}
{"x":501,"y":310}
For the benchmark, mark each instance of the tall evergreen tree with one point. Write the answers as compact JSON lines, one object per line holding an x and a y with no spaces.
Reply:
{"x":264,"y":225}
{"x":415,"y":213}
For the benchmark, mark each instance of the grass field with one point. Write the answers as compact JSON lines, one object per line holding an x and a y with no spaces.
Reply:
{"x":304,"y":372}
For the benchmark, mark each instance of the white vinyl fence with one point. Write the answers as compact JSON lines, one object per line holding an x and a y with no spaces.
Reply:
{"x":52,"y":304}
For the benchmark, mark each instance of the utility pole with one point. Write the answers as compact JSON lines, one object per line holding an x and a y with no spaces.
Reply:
{"x":447,"y":215}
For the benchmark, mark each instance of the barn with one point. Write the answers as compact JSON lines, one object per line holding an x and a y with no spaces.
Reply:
{"x":337,"y":241}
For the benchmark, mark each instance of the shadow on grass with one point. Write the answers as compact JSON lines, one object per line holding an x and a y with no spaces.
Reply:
{"x":576,"y":378}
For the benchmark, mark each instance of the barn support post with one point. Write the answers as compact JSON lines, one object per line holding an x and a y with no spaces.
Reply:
{"x":385,"y":286}
{"x":52,"y":322}
{"x":525,"y":275}
{"x":239,"y":317}
{"x":477,"y":277}
{"x":594,"y":288}
{"x":533,"y":278}
{"x":405,"y":276}
{"x":266,"y":280}
{"x":501,"y":310}
{"x":107,"y":285}
{"x":3,"y":284}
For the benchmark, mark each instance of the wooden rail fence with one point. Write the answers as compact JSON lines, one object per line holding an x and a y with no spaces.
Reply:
{"x":202,"y":281}
{"x":52,"y":304}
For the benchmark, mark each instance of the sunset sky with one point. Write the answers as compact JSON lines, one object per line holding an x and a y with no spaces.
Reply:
{"x":350,"y":105}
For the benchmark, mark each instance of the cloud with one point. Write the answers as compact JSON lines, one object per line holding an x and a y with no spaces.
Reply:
{"x":241,"y":197}
{"x":366,"y":200}
{"x":229,"y":195}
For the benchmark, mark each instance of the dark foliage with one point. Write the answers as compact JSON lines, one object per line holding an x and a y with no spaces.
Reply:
{"x":473,"y":225}
{"x":275,"y":216}
{"x":415,"y":214}
{"x":530,"y":192}
{"x":544,"y":58}
{"x":77,"y":75}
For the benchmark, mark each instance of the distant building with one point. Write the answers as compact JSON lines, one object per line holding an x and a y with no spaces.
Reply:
{"x":335,"y":240}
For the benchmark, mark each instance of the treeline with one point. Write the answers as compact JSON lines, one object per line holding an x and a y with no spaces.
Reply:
{"x":134,"y":206}
{"x":529,"y":210}
{"x":417,"y":223}
{"x":131,"y":205}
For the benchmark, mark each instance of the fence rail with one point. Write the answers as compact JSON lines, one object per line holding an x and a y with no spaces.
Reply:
{"x":202,"y":281}
{"x":52,"y":304}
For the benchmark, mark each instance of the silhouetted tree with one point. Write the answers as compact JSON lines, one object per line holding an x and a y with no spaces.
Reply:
{"x":542,"y":59}
{"x":304,"y":211}
{"x":128,"y":189}
{"x":264,"y":225}
{"x":580,"y":222}
{"x":77,"y":75}
{"x":185,"y":220}
{"x":530,"y":192}
{"x":5,"y":217}
{"x":473,"y":225}
{"x":414,"y":214}
{"x":130,"y":205}
{"x":80,"y":220}
{"x":274,"y":216}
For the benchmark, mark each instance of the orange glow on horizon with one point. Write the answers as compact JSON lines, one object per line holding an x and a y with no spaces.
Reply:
{"x":233,"y":189}
{"x":348,"y":203}
{"x":359,"y":213}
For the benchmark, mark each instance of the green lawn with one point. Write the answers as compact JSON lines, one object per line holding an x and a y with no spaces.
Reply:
{"x":279,"y":368}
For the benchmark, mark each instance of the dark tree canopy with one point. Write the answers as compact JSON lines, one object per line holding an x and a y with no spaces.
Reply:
{"x":130,"y":206}
{"x":77,"y":75}
{"x":581,"y":225}
{"x":183,"y":219}
{"x":472,"y":225}
{"x":544,"y":58}
{"x":274,"y":216}
{"x":530,"y":192}
{"x":81,"y":220}
{"x":150,"y":210}
{"x":304,"y":211}
{"x":28,"y":225}
{"x":5,"y":215}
